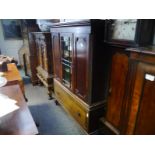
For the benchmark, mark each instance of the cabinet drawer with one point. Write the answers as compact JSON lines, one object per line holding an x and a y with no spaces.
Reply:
{"x":71,"y":104}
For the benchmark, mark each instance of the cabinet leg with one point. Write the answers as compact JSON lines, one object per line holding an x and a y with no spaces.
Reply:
{"x":25,"y":98}
{"x":50,"y":93}
{"x":34,"y":83}
{"x":56,"y":102}
{"x":37,"y":124}
{"x":50,"y":97}
{"x":40,"y":83}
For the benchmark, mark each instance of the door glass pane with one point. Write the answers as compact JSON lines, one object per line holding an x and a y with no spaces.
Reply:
{"x":67,"y":75}
{"x":66,"y":60}
{"x":66,"y":48}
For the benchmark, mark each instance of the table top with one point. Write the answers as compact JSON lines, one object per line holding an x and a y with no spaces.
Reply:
{"x":12,"y":74}
{"x":19,"y":122}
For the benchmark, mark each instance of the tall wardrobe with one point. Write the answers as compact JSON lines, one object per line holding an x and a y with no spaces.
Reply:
{"x":41,"y":59}
{"x":80,"y":70}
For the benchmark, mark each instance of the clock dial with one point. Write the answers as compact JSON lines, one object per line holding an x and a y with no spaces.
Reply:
{"x":123,"y":29}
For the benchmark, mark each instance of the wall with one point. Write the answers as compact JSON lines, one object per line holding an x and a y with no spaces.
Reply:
{"x":9,"y":47}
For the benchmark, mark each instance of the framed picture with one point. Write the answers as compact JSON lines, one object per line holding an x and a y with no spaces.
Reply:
{"x":11,"y":29}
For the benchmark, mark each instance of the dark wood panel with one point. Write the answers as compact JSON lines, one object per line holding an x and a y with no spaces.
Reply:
{"x":101,"y":65}
{"x":44,"y":50}
{"x":56,"y":55}
{"x":32,"y":44}
{"x":141,"y":118}
{"x":146,"y":119}
{"x":125,"y":112}
{"x":32,"y":58}
{"x":38,"y":52}
{"x":49,"y":54}
{"x":117,"y":88}
{"x":81,"y":65}
{"x":33,"y":64}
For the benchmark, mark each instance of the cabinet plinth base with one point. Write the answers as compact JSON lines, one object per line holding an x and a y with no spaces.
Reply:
{"x":86,"y":116}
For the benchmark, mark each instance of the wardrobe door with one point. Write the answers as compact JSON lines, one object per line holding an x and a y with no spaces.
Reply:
{"x":66,"y":50}
{"x":81,"y":56}
{"x":56,"y":55}
{"x":117,"y":89}
{"x":39,"y":51}
{"x":33,"y":58}
{"x":43,"y":52}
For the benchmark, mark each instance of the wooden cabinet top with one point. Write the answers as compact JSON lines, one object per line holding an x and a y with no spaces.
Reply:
{"x":77,"y":23}
{"x":150,"y":50}
{"x":88,"y":26}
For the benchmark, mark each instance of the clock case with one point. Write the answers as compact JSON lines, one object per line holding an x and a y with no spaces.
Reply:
{"x":143,"y":35}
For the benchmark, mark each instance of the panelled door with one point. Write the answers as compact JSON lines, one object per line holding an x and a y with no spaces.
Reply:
{"x":119,"y":72}
{"x":81,"y":56}
{"x":142,"y":117}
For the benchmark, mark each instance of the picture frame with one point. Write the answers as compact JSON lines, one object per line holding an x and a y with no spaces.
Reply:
{"x":11,"y":29}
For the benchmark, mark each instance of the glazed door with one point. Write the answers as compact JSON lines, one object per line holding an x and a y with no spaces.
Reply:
{"x":81,"y":65}
{"x":142,"y":112}
{"x":56,"y":55}
{"x":66,"y":50}
{"x":117,"y":89}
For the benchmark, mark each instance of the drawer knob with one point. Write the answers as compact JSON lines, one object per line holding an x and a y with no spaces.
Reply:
{"x":78,"y":114}
{"x":110,"y":91}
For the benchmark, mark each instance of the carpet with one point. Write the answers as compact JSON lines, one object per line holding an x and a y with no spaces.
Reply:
{"x":51,"y":118}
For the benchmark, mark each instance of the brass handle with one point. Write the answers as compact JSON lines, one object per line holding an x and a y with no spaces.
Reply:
{"x":78,"y":114}
{"x":57,"y":93}
{"x":110,"y":91}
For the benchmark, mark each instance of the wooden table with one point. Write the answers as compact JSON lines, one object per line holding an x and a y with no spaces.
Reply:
{"x":19,"y":122}
{"x":13,"y":76}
